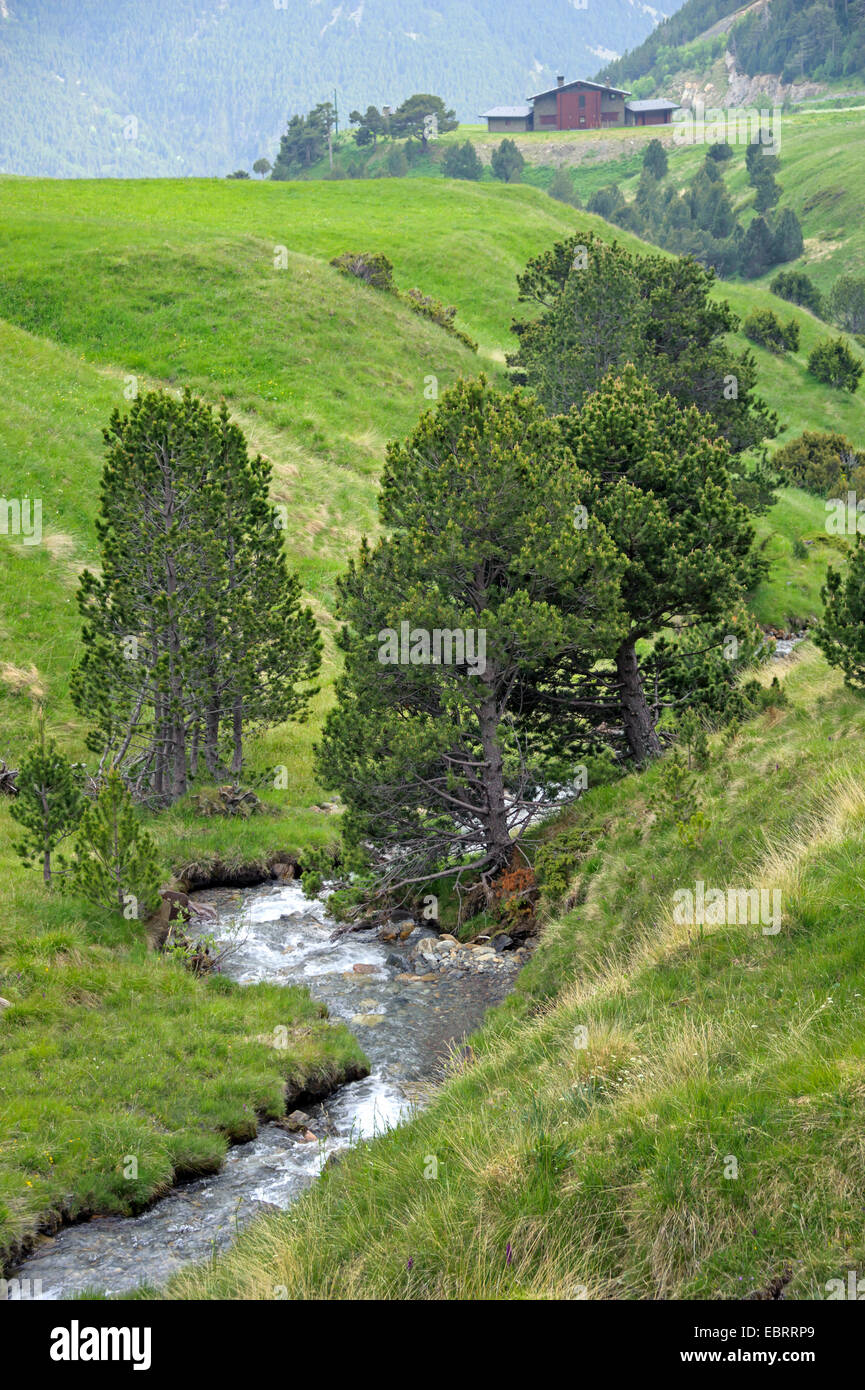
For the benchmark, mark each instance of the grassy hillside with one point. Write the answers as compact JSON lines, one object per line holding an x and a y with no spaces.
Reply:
{"x":109,"y":1052}
{"x":703,"y":1133}
{"x":76,"y":1095}
{"x":206,"y":258}
{"x":110,"y":284}
{"x":790,"y":594}
{"x":821,"y":154}
{"x":455,"y":240}
{"x":820,"y":174}
{"x":106,"y":285}
{"x":81,"y":989}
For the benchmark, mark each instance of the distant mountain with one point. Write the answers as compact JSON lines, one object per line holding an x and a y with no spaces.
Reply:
{"x":144,"y":87}
{"x":793,"y":41}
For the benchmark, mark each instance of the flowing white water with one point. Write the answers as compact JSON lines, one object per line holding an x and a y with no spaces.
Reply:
{"x":406,"y":1031}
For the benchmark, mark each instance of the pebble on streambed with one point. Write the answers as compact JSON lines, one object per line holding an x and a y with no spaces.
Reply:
{"x":434,"y":955}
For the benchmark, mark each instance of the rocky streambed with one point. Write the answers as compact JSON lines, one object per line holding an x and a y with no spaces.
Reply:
{"x":409,"y":1000}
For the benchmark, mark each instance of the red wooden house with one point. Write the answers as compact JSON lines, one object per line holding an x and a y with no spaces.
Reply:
{"x":578,"y":106}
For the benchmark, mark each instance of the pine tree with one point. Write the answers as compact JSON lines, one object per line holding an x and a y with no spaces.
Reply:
{"x":647,"y":200}
{"x":422,"y":117}
{"x":847,"y":303}
{"x":562,"y":188}
{"x":711,"y":207}
{"x":768,"y":191}
{"x":435,"y":748}
{"x":116,"y":865}
{"x":833,"y":361}
{"x":508,"y":163}
{"x":260,"y":645}
{"x":140,"y":631}
{"x":194,"y":629}
{"x":797,"y":288}
{"x":462,"y":162}
{"x":655,"y":159}
{"x":758,"y":249}
{"x":606,"y":201}
{"x":48,"y":801}
{"x":603,"y":307}
{"x":595,"y":319}
{"x":788,"y":243}
{"x":661,"y":489}
{"x":840,"y":634}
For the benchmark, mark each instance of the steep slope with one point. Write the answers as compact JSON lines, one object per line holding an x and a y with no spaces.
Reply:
{"x":820,"y":175}
{"x":106,"y":284}
{"x":778,"y":49}
{"x":663,"y":1110}
{"x":319,"y":370}
{"x":123,"y":87}
{"x":81,"y":984}
{"x":203,"y":255}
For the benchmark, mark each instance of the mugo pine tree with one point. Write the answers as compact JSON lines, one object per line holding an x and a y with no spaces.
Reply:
{"x":116,"y":865}
{"x":602,"y":307}
{"x":660,"y":486}
{"x":194,"y":629}
{"x":48,"y":801}
{"x":439,"y":760}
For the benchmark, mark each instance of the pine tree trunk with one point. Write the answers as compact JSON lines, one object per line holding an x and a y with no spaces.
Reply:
{"x":237,"y":698}
{"x":639,"y":725}
{"x":159,"y":739}
{"x":118,"y":868}
{"x":176,"y":723}
{"x":498,"y":840}
{"x":46,"y":848}
{"x":193,"y":751}
{"x":211,"y":736}
{"x":212,"y":704}
{"x":237,"y":732}
{"x":178,"y":746}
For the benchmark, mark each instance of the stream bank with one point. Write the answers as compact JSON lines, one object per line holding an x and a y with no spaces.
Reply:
{"x":408,"y":1004}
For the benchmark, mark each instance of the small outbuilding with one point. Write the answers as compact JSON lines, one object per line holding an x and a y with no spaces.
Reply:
{"x":508,"y":119}
{"x":650,"y":112}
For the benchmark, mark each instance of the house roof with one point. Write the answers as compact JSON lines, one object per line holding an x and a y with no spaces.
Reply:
{"x":651,"y":105}
{"x":508,"y":111}
{"x":581,"y":82}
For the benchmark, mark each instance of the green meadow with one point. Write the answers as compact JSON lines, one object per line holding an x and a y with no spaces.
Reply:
{"x":108,"y":287}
